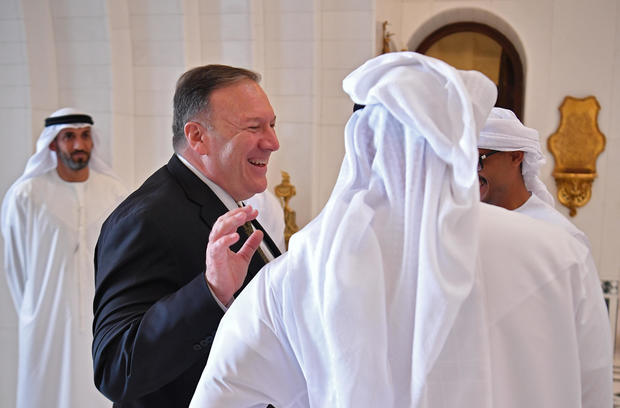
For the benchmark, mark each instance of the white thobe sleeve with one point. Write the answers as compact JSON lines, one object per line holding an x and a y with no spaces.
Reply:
{"x":16,"y":238}
{"x":251,"y":363}
{"x":594,"y":339}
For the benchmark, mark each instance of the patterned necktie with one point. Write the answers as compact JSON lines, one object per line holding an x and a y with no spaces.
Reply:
{"x":248,"y":229}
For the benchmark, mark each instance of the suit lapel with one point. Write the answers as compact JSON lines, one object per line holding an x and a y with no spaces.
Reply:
{"x":197,"y":191}
{"x":211,"y":208}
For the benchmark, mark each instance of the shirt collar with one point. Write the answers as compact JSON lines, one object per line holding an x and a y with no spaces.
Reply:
{"x":224,"y":197}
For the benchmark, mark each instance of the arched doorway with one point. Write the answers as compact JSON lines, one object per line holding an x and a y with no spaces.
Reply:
{"x":470,"y":45}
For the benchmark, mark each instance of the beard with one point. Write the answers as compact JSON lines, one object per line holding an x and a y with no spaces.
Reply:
{"x":76,"y":160}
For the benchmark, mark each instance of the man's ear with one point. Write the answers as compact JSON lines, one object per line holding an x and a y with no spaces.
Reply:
{"x":196,"y":136}
{"x":517,"y":157}
{"x":53,"y":145}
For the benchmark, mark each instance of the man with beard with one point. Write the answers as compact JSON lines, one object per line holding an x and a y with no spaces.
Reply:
{"x":51,"y":218}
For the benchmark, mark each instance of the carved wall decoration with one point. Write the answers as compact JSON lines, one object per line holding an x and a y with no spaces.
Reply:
{"x":575,"y":147}
{"x":285,"y":191}
{"x":386,"y":39}
{"x":388,"y":44}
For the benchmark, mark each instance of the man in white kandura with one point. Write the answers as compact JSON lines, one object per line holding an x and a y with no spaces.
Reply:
{"x":51,"y":217}
{"x":508,"y":165}
{"x":406,"y":291}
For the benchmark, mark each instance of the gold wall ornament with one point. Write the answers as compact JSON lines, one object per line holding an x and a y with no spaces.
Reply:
{"x":575,"y":147}
{"x":285,"y":191}
{"x":386,"y":39}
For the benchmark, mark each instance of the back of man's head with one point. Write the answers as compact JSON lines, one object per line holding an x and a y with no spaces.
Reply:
{"x":193,"y":90}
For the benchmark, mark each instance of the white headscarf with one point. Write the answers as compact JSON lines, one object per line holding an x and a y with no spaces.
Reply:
{"x":44,"y":159}
{"x":380,"y":275}
{"x":505,"y":132}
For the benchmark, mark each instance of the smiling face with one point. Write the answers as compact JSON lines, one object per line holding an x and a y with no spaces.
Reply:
{"x":240,"y":137}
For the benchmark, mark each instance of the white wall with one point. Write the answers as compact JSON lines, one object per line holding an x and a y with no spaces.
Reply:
{"x":347,"y":41}
{"x":15,"y":116}
{"x":120,"y":59}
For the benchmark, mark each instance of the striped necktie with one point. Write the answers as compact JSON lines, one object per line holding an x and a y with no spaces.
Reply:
{"x":248,"y":229}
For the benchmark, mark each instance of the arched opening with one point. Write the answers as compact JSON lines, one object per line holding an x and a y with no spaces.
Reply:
{"x":471,"y":45}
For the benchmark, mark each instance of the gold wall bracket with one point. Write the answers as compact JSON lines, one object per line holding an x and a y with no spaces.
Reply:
{"x":387,"y":39}
{"x":386,"y":47}
{"x":285,"y":191}
{"x":575,"y":147}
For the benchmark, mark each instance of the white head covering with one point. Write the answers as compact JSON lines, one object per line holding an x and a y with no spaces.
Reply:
{"x":505,"y":132}
{"x":44,"y":159}
{"x":380,"y":275}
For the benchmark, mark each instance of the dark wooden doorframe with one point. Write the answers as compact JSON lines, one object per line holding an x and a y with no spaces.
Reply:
{"x":511,"y":81}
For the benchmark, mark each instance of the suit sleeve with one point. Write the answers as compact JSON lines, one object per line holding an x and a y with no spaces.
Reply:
{"x":148,"y":328}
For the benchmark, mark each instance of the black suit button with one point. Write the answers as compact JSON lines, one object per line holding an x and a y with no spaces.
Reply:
{"x":206,"y":341}
{"x":197,"y":347}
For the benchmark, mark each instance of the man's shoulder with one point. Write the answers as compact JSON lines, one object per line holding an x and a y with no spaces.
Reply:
{"x":104,"y":178}
{"x":518,"y":236}
{"x":154,"y":195}
{"x":540,"y":210}
{"x":494,"y":218}
{"x":160,"y":197}
{"x":33,"y":187}
{"x":109,"y":183}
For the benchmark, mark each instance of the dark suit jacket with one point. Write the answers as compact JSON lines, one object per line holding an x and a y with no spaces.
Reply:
{"x":155,"y":316}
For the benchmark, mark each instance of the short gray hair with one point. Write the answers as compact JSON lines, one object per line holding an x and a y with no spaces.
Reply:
{"x":193,"y":90}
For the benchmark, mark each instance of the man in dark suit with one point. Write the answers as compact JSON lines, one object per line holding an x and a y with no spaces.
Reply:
{"x":159,"y":295}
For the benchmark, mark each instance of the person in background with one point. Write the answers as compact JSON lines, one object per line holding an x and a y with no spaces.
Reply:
{"x":51,"y":218}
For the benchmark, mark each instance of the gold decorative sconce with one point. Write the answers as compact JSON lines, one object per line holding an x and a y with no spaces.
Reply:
{"x":285,"y":191}
{"x":386,"y":38}
{"x":575,"y":147}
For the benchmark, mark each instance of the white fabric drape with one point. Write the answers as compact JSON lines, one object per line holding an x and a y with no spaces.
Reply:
{"x":417,"y":188}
